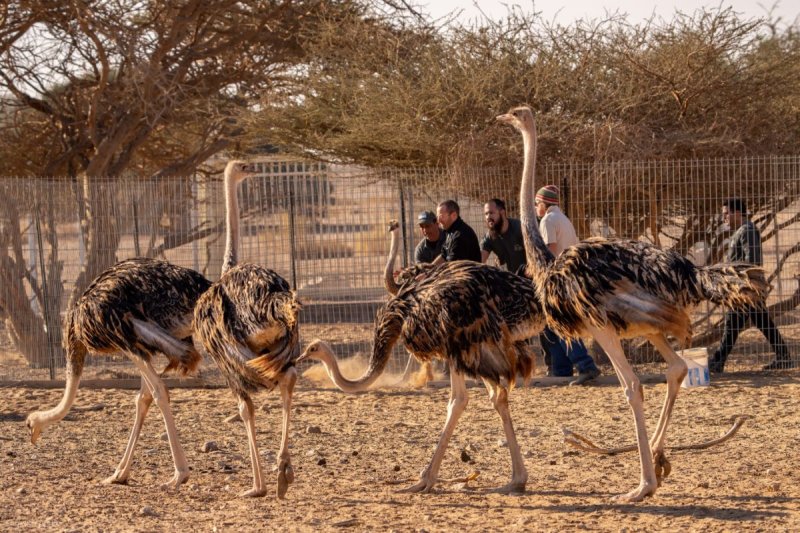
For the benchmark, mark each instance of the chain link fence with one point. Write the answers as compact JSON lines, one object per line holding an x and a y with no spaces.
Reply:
{"x":324,"y":228}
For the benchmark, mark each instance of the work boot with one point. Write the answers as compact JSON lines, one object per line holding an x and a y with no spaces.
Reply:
{"x":780,"y":364}
{"x":585,"y":377}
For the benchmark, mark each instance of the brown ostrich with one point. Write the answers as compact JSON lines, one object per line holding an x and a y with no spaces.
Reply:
{"x":247,"y":323}
{"x":611,"y":290}
{"x":140,"y":307}
{"x":474,"y":317}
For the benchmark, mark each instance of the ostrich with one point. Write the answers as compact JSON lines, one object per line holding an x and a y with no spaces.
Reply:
{"x":621,"y":289}
{"x":139,"y":307}
{"x":247,"y":323}
{"x":473,"y":316}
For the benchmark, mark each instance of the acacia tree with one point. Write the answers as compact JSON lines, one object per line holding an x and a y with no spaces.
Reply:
{"x":92,"y":91}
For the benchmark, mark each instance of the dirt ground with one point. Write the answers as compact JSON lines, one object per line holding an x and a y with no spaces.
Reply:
{"x":349,"y":452}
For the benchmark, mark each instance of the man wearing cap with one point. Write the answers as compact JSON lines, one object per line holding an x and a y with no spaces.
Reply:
{"x":745,"y":246}
{"x":504,"y":237}
{"x":461,"y":241}
{"x":430,"y":247}
{"x":558,"y":234}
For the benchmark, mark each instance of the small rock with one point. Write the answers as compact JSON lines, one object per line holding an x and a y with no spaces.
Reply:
{"x":164,"y":437}
{"x":535,"y":432}
{"x":321,"y":461}
{"x":209,"y":446}
{"x":775,"y":487}
{"x":313,"y":429}
{"x":22,"y":490}
{"x":703,"y":484}
{"x":502,"y":443}
{"x":147,"y":511}
{"x":265,"y":408}
{"x":311,"y":452}
{"x":465,"y":456}
{"x":396,"y":468}
{"x":355,"y":452}
{"x":553,"y":462}
{"x":529,"y":454}
{"x":11,"y":453}
{"x":770,"y":472}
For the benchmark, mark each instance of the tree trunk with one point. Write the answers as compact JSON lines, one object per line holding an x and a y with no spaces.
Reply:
{"x":101,"y":229}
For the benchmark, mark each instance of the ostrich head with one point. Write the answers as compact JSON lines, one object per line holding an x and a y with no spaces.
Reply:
{"x":520,"y":117}
{"x":35,"y":426}
{"x":237,"y":171}
{"x":318,"y":350}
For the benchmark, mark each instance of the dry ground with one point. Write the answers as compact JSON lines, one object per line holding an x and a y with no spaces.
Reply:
{"x":344,"y":473}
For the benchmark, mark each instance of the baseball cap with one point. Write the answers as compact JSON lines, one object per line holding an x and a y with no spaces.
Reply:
{"x":426,"y":217}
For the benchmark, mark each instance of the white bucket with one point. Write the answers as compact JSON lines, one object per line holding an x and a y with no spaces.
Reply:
{"x":697,"y":361}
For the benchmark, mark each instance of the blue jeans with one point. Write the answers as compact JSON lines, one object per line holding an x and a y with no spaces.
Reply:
{"x":562,"y":358}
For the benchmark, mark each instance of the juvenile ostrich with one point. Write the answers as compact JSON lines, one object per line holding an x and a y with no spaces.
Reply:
{"x":247,"y":323}
{"x":474,"y":317}
{"x":140,"y":307}
{"x":610,"y":290}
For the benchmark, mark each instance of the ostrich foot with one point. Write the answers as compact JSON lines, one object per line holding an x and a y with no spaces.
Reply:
{"x":285,"y":478}
{"x":177,"y":480}
{"x":515,"y":487}
{"x":423,"y":486}
{"x":115,"y":479}
{"x":638,"y":494}
{"x":255,"y":492}
{"x":662,"y":465}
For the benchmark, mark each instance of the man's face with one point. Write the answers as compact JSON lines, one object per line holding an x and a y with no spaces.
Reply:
{"x":430,"y":231}
{"x":541,"y":208}
{"x":445,"y":217}
{"x":494,"y":217}
{"x":732,"y":218}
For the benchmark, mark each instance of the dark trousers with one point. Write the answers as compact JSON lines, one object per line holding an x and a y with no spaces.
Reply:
{"x":737,"y":321}
{"x":560,"y":358}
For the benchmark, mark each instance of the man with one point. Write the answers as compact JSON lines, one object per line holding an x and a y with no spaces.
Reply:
{"x":745,"y":246}
{"x":461,"y":242}
{"x":430,"y":247}
{"x":558,"y":234}
{"x":504,"y":237}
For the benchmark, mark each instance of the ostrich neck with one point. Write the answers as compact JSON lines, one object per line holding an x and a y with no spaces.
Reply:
{"x":348,"y":385}
{"x":537,"y":254}
{"x":231,"y":224}
{"x":388,"y":273}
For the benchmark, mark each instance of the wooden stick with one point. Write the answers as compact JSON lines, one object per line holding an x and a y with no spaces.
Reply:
{"x":582,"y":443}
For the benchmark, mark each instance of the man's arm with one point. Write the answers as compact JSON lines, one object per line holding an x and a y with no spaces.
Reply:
{"x":438,"y":261}
{"x":484,"y":256}
{"x":552,"y":247}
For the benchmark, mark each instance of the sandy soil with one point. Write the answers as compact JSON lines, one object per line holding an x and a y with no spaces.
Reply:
{"x":346,"y":472}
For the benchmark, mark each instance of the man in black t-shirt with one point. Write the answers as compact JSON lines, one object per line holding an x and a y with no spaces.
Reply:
{"x":460,"y":242}
{"x":430,"y":247}
{"x":504,"y":237}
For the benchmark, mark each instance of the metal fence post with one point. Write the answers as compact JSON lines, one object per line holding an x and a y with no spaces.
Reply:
{"x":46,"y":307}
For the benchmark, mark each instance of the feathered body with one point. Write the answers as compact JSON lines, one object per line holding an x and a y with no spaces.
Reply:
{"x":471,"y":315}
{"x":247,"y":322}
{"x":139,"y":307}
{"x":638,"y":288}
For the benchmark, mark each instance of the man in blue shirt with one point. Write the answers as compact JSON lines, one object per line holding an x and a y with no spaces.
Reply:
{"x":745,"y":246}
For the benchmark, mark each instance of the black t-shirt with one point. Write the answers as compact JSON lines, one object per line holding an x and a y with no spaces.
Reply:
{"x":508,"y":247}
{"x":426,"y":251}
{"x":461,"y":242}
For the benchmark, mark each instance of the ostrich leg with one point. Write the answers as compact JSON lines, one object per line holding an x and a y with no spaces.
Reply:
{"x":458,"y":402}
{"x":632,"y":387}
{"x":161,"y":396}
{"x":676,"y":371}
{"x":143,"y":401}
{"x":519,"y":476}
{"x":247,"y":413}
{"x":285,"y":470}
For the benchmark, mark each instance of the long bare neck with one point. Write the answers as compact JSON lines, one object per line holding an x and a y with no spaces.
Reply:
{"x":388,"y":272}
{"x":537,"y":254}
{"x":388,"y":326}
{"x":231,"y":223}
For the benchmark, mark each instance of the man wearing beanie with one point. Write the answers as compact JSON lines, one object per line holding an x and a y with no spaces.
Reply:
{"x":558,"y":234}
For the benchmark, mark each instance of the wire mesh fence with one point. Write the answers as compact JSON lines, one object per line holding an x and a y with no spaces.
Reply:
{"x":324,"y":229}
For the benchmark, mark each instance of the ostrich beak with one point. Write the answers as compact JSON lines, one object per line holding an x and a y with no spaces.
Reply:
{"x":34,"y":431}
{"x":505,"y":117}
{"x":303,"y":357}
